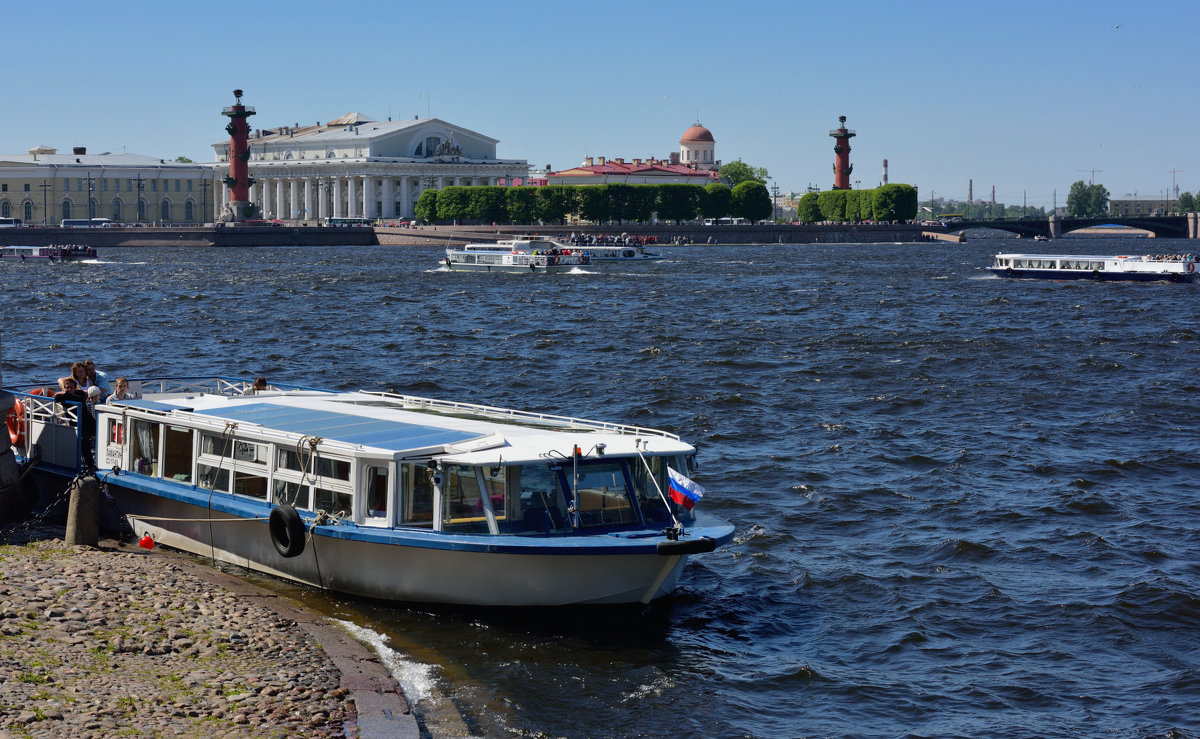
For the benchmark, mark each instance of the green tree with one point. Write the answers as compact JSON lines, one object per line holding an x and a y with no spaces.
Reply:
{"x":808,"y":209}
{"x":1186,"y":203}
{"x":555,"y":202}
{"x":715,"y":203}
{"x":521,"y":203}
{"x":642,"y":201}
{"x":678,"y":202}
{"x":453,"y":203}
{"x":426,"y":207}
{"x":750,"y":200}
{"x":1086,"y":201}
{"x":486,"y":204}
{"x":620,"y":200}
{"x":895,"y":202}
{"x":594,"y":203}
{"x":737,"y":172}
{"x":183,"y":160}
{"x":833,"y":205}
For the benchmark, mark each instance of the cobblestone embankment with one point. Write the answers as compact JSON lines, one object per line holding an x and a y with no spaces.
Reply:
{"x":119,"y":641}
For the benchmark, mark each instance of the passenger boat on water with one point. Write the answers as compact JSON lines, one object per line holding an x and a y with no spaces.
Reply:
{"x":522,"y":254}
{"x":387,"y":496}
{"x":52,"y":253}
{"x":1149,"y":268}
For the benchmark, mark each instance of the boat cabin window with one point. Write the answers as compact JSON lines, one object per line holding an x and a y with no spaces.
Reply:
{"x":338,"y":469}
{"x":177,"y":453}
{"x":376,"y":489}
{"x":145,"y":446}
{"x":464,"y":507}
{"x":602,"y":493}
{"x":213,"y":478}
{"x":293,"y":494}
{"x":654,"y":510}
{"x":541,"y":507}
{"x":417,"y":504}
{"x":248,"y":483}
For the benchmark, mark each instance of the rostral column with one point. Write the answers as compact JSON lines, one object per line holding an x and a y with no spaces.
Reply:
{"x":842,"y":167}
{"x":238,"y":180}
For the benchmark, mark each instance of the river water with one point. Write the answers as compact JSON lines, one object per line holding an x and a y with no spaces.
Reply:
{"x":965,"y":506}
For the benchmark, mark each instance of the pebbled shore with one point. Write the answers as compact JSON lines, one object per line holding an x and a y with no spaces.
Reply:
{"x":120,"y":641}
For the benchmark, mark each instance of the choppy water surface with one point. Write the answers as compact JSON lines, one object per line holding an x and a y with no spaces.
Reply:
{"x":965,"y":506}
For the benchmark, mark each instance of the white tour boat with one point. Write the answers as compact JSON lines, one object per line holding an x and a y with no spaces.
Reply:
{"x":52,"y":253}
{"x":386,"y":496}
{"x":522,"y":254}
{"x":1148,"y":268}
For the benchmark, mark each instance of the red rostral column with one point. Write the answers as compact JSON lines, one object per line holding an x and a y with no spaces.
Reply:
{"x":842,"y":167}
{"x":238,"y":179}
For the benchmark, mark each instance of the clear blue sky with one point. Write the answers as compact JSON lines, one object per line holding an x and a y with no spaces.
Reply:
{"x":1024,"y":96}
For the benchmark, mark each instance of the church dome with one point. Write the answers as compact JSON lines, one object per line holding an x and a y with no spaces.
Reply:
{"x":695,"y":134}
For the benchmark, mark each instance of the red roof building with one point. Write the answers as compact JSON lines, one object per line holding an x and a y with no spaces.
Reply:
{"x":693,"y":164}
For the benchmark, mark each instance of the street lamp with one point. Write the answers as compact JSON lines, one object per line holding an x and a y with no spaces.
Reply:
{"x":91,"y":203}
{"x":141,"y":205}
{"x":45,"y":207}
{"x":204,"y":185}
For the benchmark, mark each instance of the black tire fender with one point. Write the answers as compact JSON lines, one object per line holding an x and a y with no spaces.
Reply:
{"x":287,"y":531}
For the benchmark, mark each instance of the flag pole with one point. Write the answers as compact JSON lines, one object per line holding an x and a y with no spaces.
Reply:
{"x":637,"y":447}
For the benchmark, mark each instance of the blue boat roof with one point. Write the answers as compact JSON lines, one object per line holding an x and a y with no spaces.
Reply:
{"x":345,"y":427}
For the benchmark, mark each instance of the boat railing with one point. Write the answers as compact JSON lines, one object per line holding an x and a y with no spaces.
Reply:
{"x":447,"y":407}
{"x":49,"y":425}
{"x":209,"y":386}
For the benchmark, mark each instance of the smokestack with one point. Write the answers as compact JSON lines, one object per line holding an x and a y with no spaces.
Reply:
{"x":885,"y":171}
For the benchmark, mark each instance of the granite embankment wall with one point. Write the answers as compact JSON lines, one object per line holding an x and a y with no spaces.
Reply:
{"x":666,"y":234}
{"x":188,"y":236}
{"x":447,"y":235}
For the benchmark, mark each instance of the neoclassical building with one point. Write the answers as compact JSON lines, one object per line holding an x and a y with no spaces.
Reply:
{"x":45,"y":187}
{"x":355,"y":166}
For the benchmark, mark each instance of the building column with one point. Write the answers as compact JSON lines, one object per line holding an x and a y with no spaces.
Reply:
{"x":294,"y":197}
{"x":266,"y":197}
{"x":308,"y":200}
{"x":339,"y":210}
{"x":369,"y":198}
{"x":405,"y":199}
{"x":352,"y":197}
{"x":322,"y":198}
{"x":281,"y":210}
{"x":389,"y":197}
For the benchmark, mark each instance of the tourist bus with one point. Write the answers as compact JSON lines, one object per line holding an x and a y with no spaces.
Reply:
{"x":951,"y":217}
{"x":329,"y":221}
{"x":86,"y":223}
{"x":10,"y":222}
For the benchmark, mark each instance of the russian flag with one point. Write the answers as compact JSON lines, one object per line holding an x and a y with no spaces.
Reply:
{"x":683,"y":491}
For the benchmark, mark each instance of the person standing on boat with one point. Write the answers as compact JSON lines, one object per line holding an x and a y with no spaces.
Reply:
{"x":260,"y":384}
{"x":95,"y":378}
{"x":120,"y":390}
{"x":72,"y":395}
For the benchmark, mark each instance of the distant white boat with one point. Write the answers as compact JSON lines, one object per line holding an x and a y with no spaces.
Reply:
{"x":52,"y":253}
{"x":1148,"y":268}
{"x":387,"y":496}
{"x":522,"y":254}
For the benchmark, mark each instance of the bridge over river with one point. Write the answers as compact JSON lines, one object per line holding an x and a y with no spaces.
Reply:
{"x":1185,"y":226}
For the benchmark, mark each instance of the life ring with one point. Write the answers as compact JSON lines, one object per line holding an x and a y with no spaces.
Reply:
{"x":1008,"y":271}
{"x":287,"y":531}
{"x":16,"y":423}
{"x":1191,"y":267}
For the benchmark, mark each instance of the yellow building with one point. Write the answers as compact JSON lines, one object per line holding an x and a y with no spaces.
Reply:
{"x":44,"y":187}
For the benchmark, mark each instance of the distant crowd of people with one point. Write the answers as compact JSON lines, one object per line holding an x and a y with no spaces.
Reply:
{"x":583,"y":239}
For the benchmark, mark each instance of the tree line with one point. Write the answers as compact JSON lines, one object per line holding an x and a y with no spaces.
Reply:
{"x":614,"y":202}
{"x":891,"y":202}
